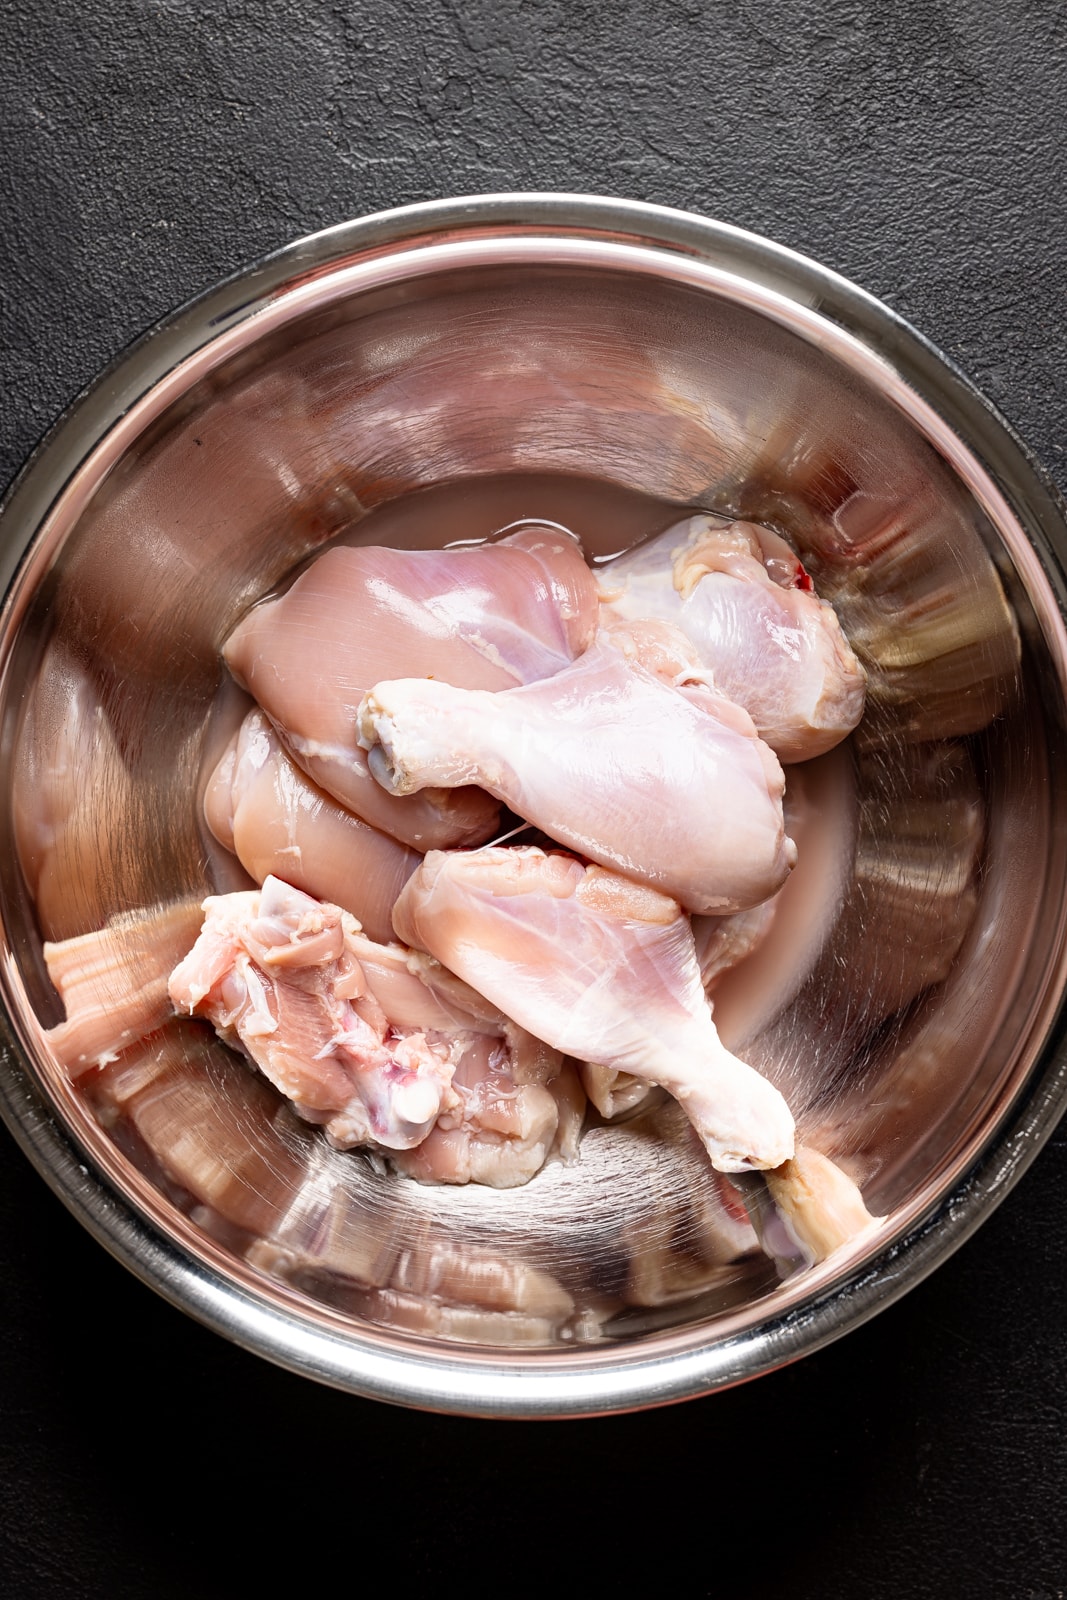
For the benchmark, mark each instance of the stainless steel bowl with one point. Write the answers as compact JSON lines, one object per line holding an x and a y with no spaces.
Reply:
{"x":610,"y":364}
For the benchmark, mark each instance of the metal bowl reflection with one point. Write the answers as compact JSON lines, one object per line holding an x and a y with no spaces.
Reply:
{"x":606,"y":364}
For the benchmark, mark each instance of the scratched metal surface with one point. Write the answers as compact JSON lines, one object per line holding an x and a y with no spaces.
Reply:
{"x":151,"y":150}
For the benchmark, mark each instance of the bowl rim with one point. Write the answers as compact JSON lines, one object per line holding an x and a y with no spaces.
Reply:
{"x":595,"y":1380}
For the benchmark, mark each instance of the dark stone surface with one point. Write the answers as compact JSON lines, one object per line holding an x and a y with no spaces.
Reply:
{"x":149,"y":148}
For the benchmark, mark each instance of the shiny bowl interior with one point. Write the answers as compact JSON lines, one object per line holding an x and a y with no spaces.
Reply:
{"x":436,"y":373}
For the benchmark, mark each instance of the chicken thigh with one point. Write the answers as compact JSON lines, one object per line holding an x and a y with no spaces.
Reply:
{"x":745,"y":601}
{"x":277,"y":974}
{"x":487,"y":617}
{"x":261,"y":806}
{"x":667,"y":784}
{"x":604,"y":970}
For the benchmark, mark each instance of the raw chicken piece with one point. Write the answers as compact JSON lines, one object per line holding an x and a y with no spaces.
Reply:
{"x":722,"y":943}
{"x":518,"y":1102}
{"x":531,"y":1059}
{"x":745,"y":601}
{"x":278,"y":975}
{"x":359,"y":1041}
{"x":614,"y":1093}
{"x":503,"y":1131}
{"x":805,"y":1210}
{"x":755,"y":960}
{"x":483,"y":618}
{"x":669,"y":785}
{"x":262,"y":807}
{"x":602,"y":968}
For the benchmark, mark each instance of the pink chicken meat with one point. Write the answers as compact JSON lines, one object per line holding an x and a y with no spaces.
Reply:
{"x":277,"y":822}
{"x":605,"y":970}
{"x":359,"y":1042}
{"x":278,"y":975}
{"x":667,"y":783}
{"x":488,"y":617}
{"x":744,"y":600}
{"x":503,"y":1127}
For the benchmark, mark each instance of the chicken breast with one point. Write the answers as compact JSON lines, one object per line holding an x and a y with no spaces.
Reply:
{"x":741,"y":595}
{"x":604,"y":970}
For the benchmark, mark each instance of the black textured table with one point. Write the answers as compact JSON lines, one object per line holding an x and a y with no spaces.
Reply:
{"x":149,"y":148}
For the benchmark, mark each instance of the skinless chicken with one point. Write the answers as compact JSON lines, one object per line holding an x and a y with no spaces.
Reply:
{"x":804,"y":1210}
{"x":359,"y":1042}
{"x":278,"y":975}
{"x":624,"y":724}
{"x":666,"y":783}
{"x":721,"y":944}
{"x":518,"y":1102}
{"x":744,"y":600}
{"x":612,"y":1092}
{"x":606,"y":971}
{"x":262,"y":807}
{"x":753,"y":962}
{"x":488,"y":617}
{"x":502,"y":1131}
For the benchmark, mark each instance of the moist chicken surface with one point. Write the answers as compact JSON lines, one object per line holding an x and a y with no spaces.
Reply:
{"x":260,"y":805}
{"x":503,"y":1129}
{"x":277,"y":974}
{"x":489,"y":617}
{"x":359,"y":1043}
{"x":744,"y":600}
{"x":668,"y":784}
{"x":606,"y":971}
